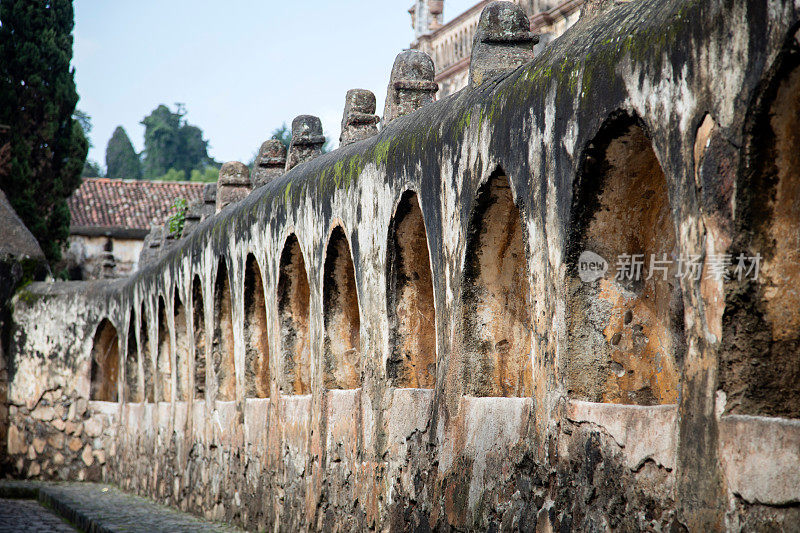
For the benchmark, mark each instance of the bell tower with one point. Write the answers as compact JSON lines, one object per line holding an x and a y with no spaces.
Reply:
{"x":426,"y":16}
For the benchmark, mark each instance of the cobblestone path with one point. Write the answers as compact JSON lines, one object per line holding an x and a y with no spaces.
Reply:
{"x":90,"y":507}
{"x":29,"y":516}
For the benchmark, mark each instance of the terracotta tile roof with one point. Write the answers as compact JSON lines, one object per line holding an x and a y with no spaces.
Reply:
{"x":108,"y":206}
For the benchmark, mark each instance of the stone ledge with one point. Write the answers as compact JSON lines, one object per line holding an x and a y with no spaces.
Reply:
{"x":761,"y":458}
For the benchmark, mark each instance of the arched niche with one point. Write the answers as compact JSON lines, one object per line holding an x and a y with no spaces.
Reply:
{"x":131,"y":390}
{"x":222,"y":347}
{"x":145,"y":356}
{"x":293,"y":312}
{"x":409,"y":299}
{"x":759,"y":367}
{"x":256,"y":372}
{"x":496,"y":315}
{"x":199,"y":339}
{"x":342,"y":344}
{"x":626,"y":340}
{"x":105,"y":363}
{"x":163,"y":358}
{"x":181,"y":350}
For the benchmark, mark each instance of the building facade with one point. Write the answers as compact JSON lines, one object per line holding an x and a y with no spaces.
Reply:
{"x":111,"y":218}
{"x":450,"y":44}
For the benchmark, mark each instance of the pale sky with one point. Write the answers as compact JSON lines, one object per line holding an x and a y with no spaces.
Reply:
{"x":242,"y":68}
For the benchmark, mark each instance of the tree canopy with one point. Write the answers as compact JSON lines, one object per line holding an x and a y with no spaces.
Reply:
{"x":171,"y":143}
{"x":122,"y":161}
{"x":37,"y":101}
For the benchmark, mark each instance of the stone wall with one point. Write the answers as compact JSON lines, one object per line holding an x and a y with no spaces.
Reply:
{"x":502,"y":391}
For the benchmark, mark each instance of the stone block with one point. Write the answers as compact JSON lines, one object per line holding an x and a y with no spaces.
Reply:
{"x":16,"y":441}
{"x":45,"y":413}
{"x":75,"y":444}
{"x":502,"y":42}
{"x":93,"y":427}
{"x":359,"y":121}
{"x":270,"y":163}
{"x":411,"y":84}
{"x":38,"y":445}
{"x":87,"y":456}
{"x":233,"y":184}
{"x":307,"y":140}
{"x":56,"y":441}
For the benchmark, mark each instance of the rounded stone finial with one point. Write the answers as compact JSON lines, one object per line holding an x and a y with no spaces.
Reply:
{"x":272,"y":152}
{"x":413,"y":66}
{"x":307,"y":129}
{"x":307,"y":140}
{"x":504,"y":22}
{"x":359,"y":120}
{"x":503,"y":41}
{"x":411,"y":85}
{"x":270,"y":162}
{"x":233,"y":183}
{"x":210,"y":193}
{"x":234,"y":173}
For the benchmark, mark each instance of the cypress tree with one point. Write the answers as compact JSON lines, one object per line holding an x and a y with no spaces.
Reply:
{"x":171,"y":143}
{"x":121,"y":159}
{"x":37,"y":101}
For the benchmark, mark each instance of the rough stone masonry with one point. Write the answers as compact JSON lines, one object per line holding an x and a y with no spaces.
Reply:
{"x":396,"y":335}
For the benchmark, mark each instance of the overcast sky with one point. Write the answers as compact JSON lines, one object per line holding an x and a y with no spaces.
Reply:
{"x":242,"y":68}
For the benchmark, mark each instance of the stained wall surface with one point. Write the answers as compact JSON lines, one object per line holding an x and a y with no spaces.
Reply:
{"x":588,"y":405}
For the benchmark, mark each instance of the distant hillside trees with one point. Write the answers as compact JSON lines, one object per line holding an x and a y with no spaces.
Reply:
{"x":37,"y":101}
{"x":122,"y":161}
{"x":170,"y":143}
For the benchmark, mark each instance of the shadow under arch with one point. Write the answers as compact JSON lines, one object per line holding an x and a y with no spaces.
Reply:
{"x":626,"y":340}
{"x":409,"y":299}
{"x":293,"y":313}
{"x":199,"y":322}
{"x":496,"y":322}
{"x":222,"y":346}
{"x":759,"y":367}
{"x":104,"y":363}
{"x":342,"y":344}
{"x":256,"y":371}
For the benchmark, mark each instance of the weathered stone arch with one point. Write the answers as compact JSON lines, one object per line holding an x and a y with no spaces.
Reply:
{"x":163,"y":358}
{"x":293,"y":312}
{"x":496,"y":317}
{"x":199,"y":321}
{"x":342,"y":344}
{"x":256,"y":372}
{"x":222,"y":347}
{"x":131,"y":391}
{"x":145,"y":356}
{"x":409,"y":299}
{"x":105,"y":362}
{"x":626,"y":340}
{"x":759,"y":368}
{"x":182,"y":389}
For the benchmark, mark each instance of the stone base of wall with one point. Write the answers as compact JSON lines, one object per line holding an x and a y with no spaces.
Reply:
{"x":60,"y":437}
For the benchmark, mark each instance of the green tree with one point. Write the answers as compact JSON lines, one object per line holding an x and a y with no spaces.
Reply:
{"x":173,"y":175}
{"x":208,"y":175}
{"x":283,"y":134}
{"x":171,"y":143}
{"x":122,"y":162}
{"x":37,"y":100}
{"x":91,"y":169}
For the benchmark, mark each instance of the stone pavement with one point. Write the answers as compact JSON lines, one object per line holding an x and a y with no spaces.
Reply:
{"x":91,"y":507}
{"x":30,"y":516}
